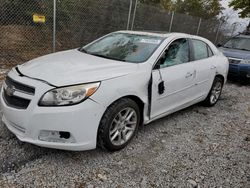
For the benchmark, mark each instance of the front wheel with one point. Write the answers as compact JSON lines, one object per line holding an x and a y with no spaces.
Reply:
{"x":214,"y":93}
{"x":119,"y":124}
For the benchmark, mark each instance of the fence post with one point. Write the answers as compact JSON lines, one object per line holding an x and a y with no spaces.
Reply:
{"x":198,"y":29}
{"x":129,"y":13}
{"x":171,"y":22}
{"x":133,"y":20}
{"x":54,"y":26}
{"x":217,"y":33}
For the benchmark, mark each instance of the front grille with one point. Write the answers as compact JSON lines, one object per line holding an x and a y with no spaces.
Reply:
{"x":234,"y":61}
{"x":19,"y":86}
{"x":16,"y":102}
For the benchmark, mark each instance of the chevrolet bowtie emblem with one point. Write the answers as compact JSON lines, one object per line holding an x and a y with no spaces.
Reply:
{"x":10,"y":90}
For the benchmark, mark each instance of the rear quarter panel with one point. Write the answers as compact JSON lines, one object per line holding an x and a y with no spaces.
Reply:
{"x":222,"y":65}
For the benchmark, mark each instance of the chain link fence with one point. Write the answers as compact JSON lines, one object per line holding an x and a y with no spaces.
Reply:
{"x":66,"y":24}
{"x":21,"y":38}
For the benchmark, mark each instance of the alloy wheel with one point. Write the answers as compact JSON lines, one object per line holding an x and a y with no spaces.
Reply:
{"x":215,"y":93}
{"x":123,"y":126}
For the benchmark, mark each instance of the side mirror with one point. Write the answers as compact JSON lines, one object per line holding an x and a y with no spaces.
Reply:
{"x":157,"y":66}
{"x":160,"y":61}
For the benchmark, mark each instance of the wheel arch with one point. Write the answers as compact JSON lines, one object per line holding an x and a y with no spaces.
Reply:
{"x":221,"y":77}
{"x":137,"y":100}
{"x":140,"y":104}
{"x":134,"y":98}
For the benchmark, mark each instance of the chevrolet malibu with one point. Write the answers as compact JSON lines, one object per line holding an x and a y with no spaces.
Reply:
{"x":99,"y":94}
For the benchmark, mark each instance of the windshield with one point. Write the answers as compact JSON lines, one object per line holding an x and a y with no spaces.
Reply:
{"x":238,"y":43}
{"x":124,"y":47}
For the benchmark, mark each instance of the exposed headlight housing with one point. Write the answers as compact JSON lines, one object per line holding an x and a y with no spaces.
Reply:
{"x":69,"y":95}
{"x":245,"y":61}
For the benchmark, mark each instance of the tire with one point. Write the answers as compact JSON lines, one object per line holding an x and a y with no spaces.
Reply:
{"x":214,"y":93}
{"x":118,"y":125}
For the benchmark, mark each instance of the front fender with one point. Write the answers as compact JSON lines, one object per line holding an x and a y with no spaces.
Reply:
{"x":135,"y":84}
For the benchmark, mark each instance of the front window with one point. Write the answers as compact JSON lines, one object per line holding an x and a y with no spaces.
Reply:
{"x":239,"y":43}
{"x":124,"y":47}
{"x":177,"y":53}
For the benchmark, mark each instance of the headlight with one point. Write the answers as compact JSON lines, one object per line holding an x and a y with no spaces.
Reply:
{"x":245,"y":61}
{"x":68,"y":95}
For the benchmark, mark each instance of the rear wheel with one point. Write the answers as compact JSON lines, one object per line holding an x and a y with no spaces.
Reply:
{"x":119,"y":124}
{"x":214,"y":93}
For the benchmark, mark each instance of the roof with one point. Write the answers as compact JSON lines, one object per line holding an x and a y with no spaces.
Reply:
{"x":165,"y":34}
{"x":153,"y":33}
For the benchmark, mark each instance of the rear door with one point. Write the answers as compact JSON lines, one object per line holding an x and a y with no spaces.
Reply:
{"x":204,"y":64}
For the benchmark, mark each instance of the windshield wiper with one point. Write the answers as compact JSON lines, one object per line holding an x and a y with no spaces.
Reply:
{"x":107,"y":57}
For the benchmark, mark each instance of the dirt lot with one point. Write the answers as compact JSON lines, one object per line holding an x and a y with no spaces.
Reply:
{"x":196,"y":147}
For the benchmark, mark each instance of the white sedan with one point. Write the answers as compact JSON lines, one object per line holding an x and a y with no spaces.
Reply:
{"x":99,"y":94}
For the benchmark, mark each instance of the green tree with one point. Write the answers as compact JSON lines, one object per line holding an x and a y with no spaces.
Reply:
{"x":198,"y":8}
{"x":151,"y":2}
{"x":167,"y":4}
{"x":243,"y":6}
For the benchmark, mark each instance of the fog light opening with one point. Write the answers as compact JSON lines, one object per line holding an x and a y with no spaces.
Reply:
{"x":65,"y":135}
{"x":56,"y":136}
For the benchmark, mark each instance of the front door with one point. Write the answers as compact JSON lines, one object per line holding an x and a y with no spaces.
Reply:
{"x":173,"y":79}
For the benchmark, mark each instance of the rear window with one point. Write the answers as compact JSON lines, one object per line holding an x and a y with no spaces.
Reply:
{"x":200,"y":49}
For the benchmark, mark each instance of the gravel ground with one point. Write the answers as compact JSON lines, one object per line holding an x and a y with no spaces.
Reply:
{"x":196,"y":147}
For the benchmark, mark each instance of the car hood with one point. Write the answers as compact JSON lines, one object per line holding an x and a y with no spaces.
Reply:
{"x":73,"y":67}
{"x":239,"y":54}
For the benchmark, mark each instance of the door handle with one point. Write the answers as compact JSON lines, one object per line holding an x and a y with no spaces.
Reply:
{"x":189,"y":75}
{"x":213,"y":67}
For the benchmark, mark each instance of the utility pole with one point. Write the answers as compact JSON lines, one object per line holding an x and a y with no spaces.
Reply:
{"x":54,"y":26}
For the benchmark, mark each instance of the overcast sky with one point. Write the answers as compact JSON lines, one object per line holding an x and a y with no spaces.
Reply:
{"x":234,"y":17}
